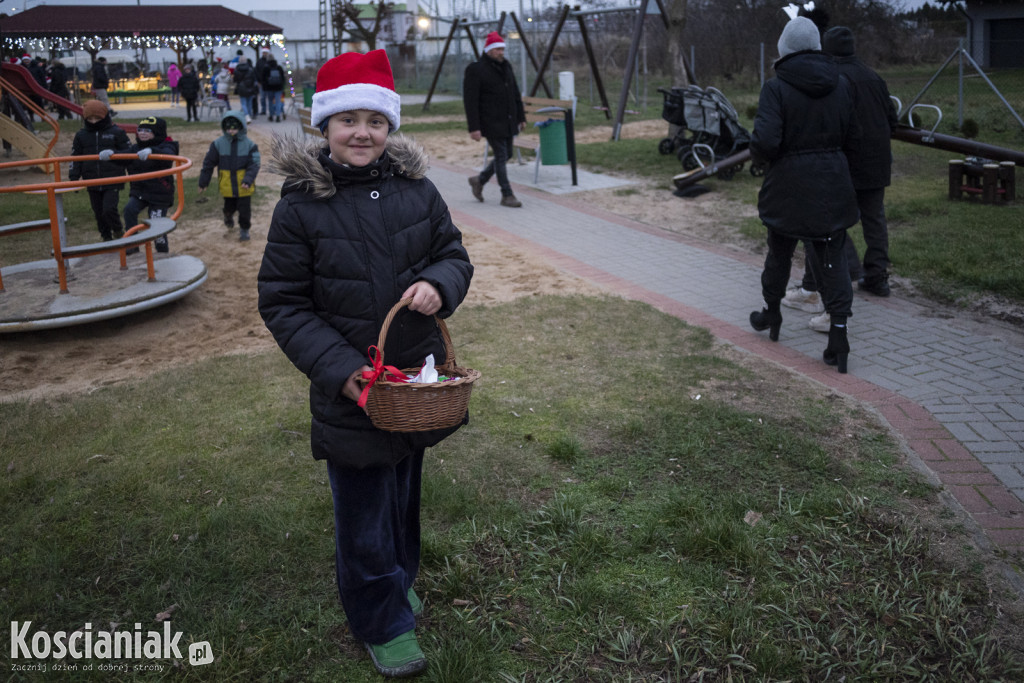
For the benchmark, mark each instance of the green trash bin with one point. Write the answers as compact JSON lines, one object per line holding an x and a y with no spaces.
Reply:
{"x":307,"y":95}
{"x":553,"y":149}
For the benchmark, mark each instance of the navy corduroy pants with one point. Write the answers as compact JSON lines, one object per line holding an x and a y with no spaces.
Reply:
{"x":377,"y":545}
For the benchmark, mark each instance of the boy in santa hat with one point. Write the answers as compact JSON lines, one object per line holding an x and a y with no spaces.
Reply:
{"x":358,"y":228}
{"x":494,"y":110}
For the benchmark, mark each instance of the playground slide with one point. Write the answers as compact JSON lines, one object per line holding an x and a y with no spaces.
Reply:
{"x":19,"y":78}
{"x":22,"y":139}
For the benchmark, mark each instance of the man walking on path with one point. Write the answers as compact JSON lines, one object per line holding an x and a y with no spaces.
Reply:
{"x":100,"y":82}
{"x":494,"y":110}
{"x":871,"y":158}
{"x":261,"y":67}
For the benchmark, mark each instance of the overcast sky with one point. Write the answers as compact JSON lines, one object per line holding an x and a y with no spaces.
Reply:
{"x":245,"y":6}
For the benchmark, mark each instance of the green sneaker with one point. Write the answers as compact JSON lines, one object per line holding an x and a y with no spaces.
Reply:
{"x":398,"y":658}
{"x":415,"y":603}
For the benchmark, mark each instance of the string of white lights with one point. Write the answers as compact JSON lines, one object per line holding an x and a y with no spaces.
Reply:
{"x":96,"y":42}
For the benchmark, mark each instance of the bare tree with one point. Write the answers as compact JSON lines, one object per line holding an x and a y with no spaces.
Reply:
{"x":346,"y":18}
{"x":676,"y":11}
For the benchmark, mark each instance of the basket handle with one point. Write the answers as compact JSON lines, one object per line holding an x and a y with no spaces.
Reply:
{"x":448,"y":348}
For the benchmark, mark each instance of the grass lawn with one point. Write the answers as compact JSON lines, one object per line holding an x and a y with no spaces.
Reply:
{"x":691,"y":514}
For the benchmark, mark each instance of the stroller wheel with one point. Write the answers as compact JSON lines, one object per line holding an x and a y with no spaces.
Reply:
{"x":666,"y":146}
{"x":690,"y":161}
{"x":729,"y":173}
{"x":757,"y":170}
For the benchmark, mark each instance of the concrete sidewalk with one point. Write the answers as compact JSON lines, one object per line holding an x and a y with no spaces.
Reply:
{"x":951,"y":387}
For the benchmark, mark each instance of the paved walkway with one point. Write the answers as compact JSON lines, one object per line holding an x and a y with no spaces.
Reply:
{"x":952,"y":388}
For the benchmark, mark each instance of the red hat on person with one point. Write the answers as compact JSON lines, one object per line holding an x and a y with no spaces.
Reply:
{"x":356,"y":81}
{"x":494,"y":40}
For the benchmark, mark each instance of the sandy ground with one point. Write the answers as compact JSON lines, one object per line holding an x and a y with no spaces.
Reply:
{"x":221,"y":317}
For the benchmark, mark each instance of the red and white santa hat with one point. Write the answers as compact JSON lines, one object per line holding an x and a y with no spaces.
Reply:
{"x":494,"y":40}
{"x":356,"y":81}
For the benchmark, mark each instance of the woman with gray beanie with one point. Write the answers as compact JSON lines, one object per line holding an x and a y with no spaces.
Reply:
{"x":804,"y":122}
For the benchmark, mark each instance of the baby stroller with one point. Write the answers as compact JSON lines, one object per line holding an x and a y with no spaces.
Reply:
{"x":705,"y":118}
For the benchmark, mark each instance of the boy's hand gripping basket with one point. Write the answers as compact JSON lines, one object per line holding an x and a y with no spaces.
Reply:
{"x":416,"y":407}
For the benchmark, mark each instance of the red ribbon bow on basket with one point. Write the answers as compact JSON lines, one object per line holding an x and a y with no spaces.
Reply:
{"x":390,"y":372}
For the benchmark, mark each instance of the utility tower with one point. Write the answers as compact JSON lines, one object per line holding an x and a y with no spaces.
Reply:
{"x":329,"y":48}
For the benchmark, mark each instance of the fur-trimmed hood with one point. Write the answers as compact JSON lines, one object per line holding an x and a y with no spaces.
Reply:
{"x":299,"y":161}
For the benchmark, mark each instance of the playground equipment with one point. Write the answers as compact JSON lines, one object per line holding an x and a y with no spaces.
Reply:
{"x":29,"y":299}
{"x":905,"y":133}
{"x":541,"y":67}
{"x":16,"y":80}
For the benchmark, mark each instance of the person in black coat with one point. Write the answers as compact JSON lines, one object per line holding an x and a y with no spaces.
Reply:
{"x":494,"y":110}
{"x":804,"y":123}
{"x":273,"y":82}
{"x":59,"y":87}
{"x":156,"y":194}
{"x":189,"y":88}
{"x":37,"y":67}
{"x":871,"y":157}
{"x":101,"y":81}
{"x":245,"y":87}
{"x":261,"y":68}
{"x":99,"y":135}
{"x":358,"y":228}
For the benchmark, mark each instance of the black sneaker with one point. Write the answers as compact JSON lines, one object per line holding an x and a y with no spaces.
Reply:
{"x":876,"y":287}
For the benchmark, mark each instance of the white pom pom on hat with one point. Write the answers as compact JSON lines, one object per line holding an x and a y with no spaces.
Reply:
{"x":494,"y":41}
{"x":353,"y":81}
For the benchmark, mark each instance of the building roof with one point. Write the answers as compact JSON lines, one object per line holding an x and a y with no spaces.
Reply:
{"x":106,"y":21}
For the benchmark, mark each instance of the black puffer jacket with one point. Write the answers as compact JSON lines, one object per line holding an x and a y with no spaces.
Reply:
{"x":157,"y":191}
{"x":188,"y":85}
{"x":100,"y":79}
{"x":870,"y":156}
{"x":804,"y":122}
{"x":93,"y":138}
{"x":245,"y":80}
{"x":491,"y":98}
{"x":344,"y":244}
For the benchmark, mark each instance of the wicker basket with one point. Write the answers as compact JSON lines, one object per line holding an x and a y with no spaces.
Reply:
{"x":404,"y":407}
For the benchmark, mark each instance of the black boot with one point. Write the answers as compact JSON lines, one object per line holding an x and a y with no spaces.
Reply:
{"x":769,"y":318}
{"x":838,"y":349}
